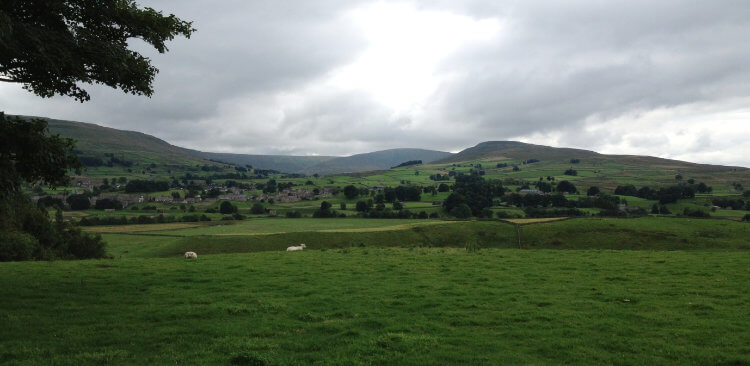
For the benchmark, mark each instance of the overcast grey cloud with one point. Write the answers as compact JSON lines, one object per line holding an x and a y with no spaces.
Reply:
{"x":666,"y":78}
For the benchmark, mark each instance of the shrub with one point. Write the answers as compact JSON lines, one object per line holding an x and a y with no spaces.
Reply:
{"x":257,"y":209}
{"x":293,"y":214}
{"x":78,"y":202}
{"x":17,"y":246}
{"x":84,"y":245}
{"x":746,"y":217}
{"x":106,"y":203}
{"x":690,"y":212}
{"x":227,"y":208}
{"x":461,"y":211}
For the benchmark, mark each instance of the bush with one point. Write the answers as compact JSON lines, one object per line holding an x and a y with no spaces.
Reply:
{"x":17,"y":246}
{"x":257,"y":209}
{"x":746,"y":217}
{"x":85,"y":246}
{"x":566,"y":186}
{"x":293,"y":214}
{"x":503,"y":215}
{"x":533,"y":212}
{"x":227,"y":208}
{"x":106,"y":203}
{"x":78,"y":202}
{"x":690,"y":212}
{"x":461,"y":211}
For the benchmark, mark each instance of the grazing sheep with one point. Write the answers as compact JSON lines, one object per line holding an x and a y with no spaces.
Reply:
{"x":296,"y":248}
{"x":191,"y":255}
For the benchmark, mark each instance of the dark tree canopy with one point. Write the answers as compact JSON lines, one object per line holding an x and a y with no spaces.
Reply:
{"x":52,"y":46}
{"x":28,"y":153}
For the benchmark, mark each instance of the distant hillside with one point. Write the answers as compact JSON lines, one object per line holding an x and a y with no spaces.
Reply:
{"x":282,"y":163}
{"x":374,"y":161}
{"x":514,"y":150}
{"x":518,"y":151}
{"x":95,"y":140}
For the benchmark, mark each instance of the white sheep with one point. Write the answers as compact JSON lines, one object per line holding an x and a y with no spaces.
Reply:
{"x":296,"y":248}
{"x":191,"y":255}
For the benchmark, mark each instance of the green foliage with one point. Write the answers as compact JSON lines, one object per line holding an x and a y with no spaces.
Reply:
{"x":145,"y":186}
{"x":691,"y":212}
{"x":27,"y":233}
{"x":52,"y":48}
{"x":461,"y":211}
{"x":17,"y":246}
{"x":592,"y":191}
{"x":257,"y":209}
{"x":351,"y":192}
{"x":78,"y":202}
{"x":29,"y":154}
{"x":325,"y":211}
{"x":107,"y":203}
{"x":566,"y":186}
{"x":227,"y":208}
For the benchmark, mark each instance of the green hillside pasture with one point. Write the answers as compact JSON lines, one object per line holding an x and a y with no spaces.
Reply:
{"x":284,"y":225}
{"x":650,"y":233}
{"x":381,"y":307}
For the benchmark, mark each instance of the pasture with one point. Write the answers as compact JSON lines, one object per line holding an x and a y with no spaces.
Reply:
{"x":651,"y":290}
{"x":381,"y":306}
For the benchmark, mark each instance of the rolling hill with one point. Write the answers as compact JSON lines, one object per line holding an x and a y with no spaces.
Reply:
{"x":282,"y":163}
{"x":94,"y":141}
{"x":374,"y":161}
{"x":515,"y":150}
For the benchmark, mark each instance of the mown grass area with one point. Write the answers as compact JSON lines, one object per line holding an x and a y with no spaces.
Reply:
{"x":380,"y":306}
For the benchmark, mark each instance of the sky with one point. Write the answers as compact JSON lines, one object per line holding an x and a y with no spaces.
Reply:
{"x":328,"y":77}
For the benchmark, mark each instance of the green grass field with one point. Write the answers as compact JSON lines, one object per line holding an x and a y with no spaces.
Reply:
{"x":649,"y":290}
{"x":382,"y":306}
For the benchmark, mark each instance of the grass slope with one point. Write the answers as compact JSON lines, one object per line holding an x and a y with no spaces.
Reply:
{"x":95,"y":140}
{"x":381,"y":307}
{"x":374,"y":161}
{"x":282,"y":163}
{"x":647,"y":233}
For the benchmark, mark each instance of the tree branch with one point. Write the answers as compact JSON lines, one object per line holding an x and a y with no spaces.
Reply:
{"x":9,"y":80}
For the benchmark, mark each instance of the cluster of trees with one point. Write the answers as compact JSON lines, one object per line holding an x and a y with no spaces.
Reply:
{"x":145,"y":186}
{"x":571,"y":171}
{"x":441,"y":177}
{"x":325,"y":211}
{"x":27,"y":233}
{"x":734,"y":204}
{"x":664,"y":194}
{"x":140,"y":219}
{"x":473,"y":191}
{"x":408,"y":163}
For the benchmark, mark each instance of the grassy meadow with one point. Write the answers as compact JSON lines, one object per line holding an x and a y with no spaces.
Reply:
{"x":379,"y":306}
